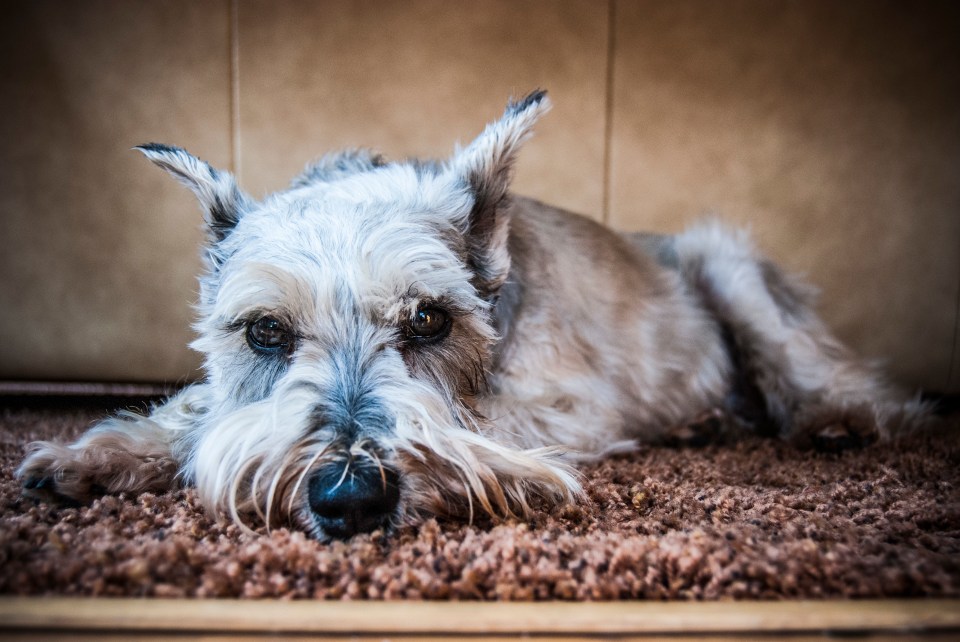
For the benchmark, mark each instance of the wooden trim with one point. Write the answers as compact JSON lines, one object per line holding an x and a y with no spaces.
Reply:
{"x":85,"y":389}
{"x":477,"y":619}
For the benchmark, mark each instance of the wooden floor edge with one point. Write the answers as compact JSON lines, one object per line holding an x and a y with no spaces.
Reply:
{"x":477,"y":618}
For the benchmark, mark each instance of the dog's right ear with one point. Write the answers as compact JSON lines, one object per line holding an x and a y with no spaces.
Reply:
{"x":486,"y":167}
{"x":222,"y":201}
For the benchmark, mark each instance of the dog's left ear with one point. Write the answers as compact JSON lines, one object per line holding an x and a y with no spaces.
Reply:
{"x":221,"y":199}
{"x":486,"y":165}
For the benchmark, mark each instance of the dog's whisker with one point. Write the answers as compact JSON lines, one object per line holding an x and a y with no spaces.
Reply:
{"x":254,"y":491}
{"x":232,"y":499}
{"x":303,"y":473}
{"x":346,"y":469}
{"x":279,"y":473}
{"x":382,"y":472}
{"x":271,"y":494}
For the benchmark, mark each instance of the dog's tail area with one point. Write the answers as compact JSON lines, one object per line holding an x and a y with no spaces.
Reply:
{"x":814,"y":386}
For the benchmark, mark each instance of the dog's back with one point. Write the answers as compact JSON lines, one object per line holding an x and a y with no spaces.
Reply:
{"x":653,"y":332}
{"x":600,"y":343}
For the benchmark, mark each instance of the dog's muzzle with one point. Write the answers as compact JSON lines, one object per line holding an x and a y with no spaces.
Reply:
{"x":351,"y":500}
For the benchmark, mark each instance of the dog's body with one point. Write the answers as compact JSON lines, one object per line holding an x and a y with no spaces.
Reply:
{"x":388,"y":340}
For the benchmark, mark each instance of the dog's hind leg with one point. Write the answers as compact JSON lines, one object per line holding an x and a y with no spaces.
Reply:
{"x":815,"y":390}
{"x":127,"y":453}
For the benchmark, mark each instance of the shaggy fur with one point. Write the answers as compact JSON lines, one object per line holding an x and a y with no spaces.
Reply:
{"x":384,"y":341}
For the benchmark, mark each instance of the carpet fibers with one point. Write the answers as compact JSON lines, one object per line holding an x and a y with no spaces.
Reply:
{"x":753,"y":519}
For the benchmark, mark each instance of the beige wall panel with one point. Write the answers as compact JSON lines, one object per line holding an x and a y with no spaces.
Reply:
{"x":411,"y":78}
{"x":832,"y":128}
{"x":98,"y":249}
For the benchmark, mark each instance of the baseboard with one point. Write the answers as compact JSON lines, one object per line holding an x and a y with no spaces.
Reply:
{"x":81,"y":389}
{"x":98,"y":618}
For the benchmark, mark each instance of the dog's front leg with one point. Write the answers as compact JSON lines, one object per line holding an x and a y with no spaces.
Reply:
{"x":128,"y":453}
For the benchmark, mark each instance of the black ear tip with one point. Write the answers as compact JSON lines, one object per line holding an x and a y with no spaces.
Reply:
{"x":157,"y":148}
{"x":533,"y":98}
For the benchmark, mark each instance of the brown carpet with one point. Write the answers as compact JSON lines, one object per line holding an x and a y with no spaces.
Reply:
{"x":755,"y":519}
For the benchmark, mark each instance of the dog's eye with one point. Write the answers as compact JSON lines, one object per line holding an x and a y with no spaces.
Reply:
{"x":267,"y":334}
{"x":429,"y":324}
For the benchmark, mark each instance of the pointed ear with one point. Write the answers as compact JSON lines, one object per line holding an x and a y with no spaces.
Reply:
{"x":486,"y":166}
{"x":222,"y":201}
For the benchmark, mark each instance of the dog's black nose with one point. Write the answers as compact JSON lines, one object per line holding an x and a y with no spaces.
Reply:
{"x":357,"y":501}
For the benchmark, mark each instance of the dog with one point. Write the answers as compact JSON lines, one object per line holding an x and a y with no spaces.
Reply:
{"x":389,"y":340}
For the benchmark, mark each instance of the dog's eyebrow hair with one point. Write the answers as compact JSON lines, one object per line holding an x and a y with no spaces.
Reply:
{"x":241,"y":320}
{"x":453,"y":303}
{"x":234,"y":325}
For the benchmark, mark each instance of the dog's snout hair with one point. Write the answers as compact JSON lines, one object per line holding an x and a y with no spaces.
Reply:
{"x":347,"y":382}
{"x":387,"y":340}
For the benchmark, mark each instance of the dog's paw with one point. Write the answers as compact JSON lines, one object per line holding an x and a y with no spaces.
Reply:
{"x":116,"y":457}
{"x":838,"y":430}
{"x":52,"y":473}
{"x":44,"y":489}
{"x":839,"y":436}
{"x":706,"y":428}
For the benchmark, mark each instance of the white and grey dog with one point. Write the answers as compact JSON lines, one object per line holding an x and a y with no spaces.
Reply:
{"x":388,"y":340}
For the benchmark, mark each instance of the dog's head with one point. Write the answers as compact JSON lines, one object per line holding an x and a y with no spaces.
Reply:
{"x":347,"y":325}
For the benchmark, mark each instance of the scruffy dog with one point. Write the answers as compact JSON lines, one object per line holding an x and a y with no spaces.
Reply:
{"x":387,"y":340}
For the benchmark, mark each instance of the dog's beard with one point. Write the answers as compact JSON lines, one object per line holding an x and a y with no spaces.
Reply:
{"x":250,"y":464}
{"x":451,"y":466}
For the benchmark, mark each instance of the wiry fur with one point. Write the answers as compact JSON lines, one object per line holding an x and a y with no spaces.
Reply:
{"x":566,"y":340}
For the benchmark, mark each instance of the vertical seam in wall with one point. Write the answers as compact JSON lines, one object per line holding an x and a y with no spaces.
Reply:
{"x":234,"y":42}
{"x":608,"y":111}
{"x":956,"y":339}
